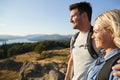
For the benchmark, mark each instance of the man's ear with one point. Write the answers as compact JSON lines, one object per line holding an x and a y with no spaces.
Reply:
{"x":84,"y":14}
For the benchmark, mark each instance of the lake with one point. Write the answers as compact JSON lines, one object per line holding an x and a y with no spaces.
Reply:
{"x":17,"y":41}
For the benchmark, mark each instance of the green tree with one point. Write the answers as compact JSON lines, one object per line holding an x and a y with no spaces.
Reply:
{"x":40,"y":47}
{"x":14,"y":50}
{"x":1,"y":53}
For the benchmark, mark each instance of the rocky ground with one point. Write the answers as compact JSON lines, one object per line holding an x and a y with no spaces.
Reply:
{"x":48,"y":65}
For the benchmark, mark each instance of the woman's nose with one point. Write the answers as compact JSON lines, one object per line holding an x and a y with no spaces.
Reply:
{"x":92,"y":36}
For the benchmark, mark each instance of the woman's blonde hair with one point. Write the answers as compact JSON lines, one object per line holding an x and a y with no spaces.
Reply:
{"x":110,"y":20}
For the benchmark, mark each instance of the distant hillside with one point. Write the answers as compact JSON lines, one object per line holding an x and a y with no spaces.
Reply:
{"x":36,"y":37}
{"x":8,"y":37}
{"x":48,"y":37}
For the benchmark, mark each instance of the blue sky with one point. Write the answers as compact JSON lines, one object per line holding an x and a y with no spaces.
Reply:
{"x":27,"y":17}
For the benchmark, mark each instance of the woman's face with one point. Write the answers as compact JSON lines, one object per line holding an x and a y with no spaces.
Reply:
{"x":103,"y":38}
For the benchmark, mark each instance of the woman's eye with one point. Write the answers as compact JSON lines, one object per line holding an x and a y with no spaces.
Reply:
{"x":95,"y":31}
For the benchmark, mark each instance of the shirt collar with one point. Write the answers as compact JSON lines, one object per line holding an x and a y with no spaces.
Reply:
{"x":101,"y":59}
{"x":112,"y":53}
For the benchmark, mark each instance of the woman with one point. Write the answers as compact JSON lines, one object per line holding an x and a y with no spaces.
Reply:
{"x":107,"y":36}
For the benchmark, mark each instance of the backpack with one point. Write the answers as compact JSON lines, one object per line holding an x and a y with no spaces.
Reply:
{"x":104,"y":73}
{"x":89,"y":45}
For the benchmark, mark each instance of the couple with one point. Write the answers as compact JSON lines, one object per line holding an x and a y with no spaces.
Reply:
{"x":106,"y":34}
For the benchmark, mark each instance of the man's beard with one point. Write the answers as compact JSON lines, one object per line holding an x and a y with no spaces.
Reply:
{"x":75,"y":27}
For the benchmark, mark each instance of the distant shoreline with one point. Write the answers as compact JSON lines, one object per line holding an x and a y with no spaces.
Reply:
{"x":16,"y":41}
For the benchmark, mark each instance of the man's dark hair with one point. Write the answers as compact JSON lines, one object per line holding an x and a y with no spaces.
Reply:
{"x":82,"y":7}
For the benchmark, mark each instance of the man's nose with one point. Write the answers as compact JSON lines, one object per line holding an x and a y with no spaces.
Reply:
{"x":71,"y":20}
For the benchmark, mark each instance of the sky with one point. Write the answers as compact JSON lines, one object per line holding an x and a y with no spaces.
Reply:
{"x":28,"y":17}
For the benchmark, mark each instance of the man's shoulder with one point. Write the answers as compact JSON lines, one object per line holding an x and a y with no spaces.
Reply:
{"x":76,"y":33}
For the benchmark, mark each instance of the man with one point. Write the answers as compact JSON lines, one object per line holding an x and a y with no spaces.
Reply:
{"x":80,"y":17}
{"x":81,"y":58}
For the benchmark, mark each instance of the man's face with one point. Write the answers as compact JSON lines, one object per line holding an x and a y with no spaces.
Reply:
{"x":75,"y":18}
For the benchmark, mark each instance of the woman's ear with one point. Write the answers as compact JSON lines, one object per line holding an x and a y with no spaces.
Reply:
{"x":112,"y":35}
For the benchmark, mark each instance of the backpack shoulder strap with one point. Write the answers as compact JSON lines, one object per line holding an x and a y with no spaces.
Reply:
{"x":104,"y":73}
{"x":91,"y":50}
{"x":73,"y":41}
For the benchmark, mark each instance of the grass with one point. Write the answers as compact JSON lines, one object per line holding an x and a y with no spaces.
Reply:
{"x":59,"y":55}
{"x":8,"y":75}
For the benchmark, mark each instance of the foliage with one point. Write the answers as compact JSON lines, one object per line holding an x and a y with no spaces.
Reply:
{"x":39,"y":48}
{"x":8,"y":50}
{"x":16,"y":49}
{"x":1,"y":53}
{"x":47,"y":45}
